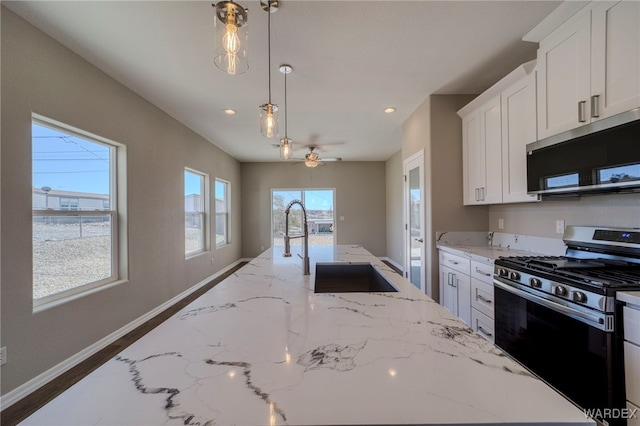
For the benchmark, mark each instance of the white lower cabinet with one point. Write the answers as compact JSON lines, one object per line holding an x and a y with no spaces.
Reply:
{"x":455,"y":285}
{"x":482,"y":301}
{"x":631,"y":318}
{"x":466,"y":290}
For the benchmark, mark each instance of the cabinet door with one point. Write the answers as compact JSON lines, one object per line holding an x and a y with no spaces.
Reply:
{"x":564,"y":77}
{"x":449,"y":293}
{"x":518,"y":129}
{"x":615,"y":58}
{"x":463,"y":287}
{"x":491,"y":137}
{"x":473,"y":159}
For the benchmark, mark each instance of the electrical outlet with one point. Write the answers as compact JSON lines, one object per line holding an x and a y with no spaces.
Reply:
{"x":559,"y":226}
{"x":501,"y":223}
{"x":3,"y":355}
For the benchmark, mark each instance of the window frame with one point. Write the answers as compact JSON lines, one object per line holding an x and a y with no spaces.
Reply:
{"x":204,"y":213}
{"x":226,"y":214}
{"x":117,"y":211}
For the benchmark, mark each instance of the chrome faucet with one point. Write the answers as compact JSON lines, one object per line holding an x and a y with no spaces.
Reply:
{"x":305,"y":235}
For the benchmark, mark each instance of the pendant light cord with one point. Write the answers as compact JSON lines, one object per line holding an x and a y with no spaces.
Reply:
{"x":269,"y":47}
{"x":285,"y":106}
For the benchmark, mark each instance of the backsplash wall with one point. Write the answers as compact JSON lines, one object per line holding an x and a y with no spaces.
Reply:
{"x":539,"y":219}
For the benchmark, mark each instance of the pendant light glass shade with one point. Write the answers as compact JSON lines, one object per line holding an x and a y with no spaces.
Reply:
{"x":232,"y":36}
{"x":269,"y":120}
{"x":286,"y":148}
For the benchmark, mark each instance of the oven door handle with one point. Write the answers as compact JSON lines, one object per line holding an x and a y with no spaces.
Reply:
{"x":593,"y":320}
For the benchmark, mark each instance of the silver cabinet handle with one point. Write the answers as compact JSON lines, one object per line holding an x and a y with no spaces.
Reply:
{"x":595,"y":106}
{"x":582,"y":116}
{"x":453,"y":280}
{"x":484,"y":299}
{"x":486,"y":274}
{"x":477,"y":192}
{"x":452,"y":261}
{"x":485,"y":332}
{"x":482,"y":193}
{"x":420,"y":240}
{"x":448,"y":278}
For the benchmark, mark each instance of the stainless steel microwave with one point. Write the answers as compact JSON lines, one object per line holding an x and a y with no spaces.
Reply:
{"x":600,"y":157}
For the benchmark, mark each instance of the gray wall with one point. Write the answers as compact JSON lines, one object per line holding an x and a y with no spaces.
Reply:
{"x":40,"y":75}
{"x":435,"y":127}
{"x":539,"y":219}
{"x":360,"y":198}
{"x":395,"y":200}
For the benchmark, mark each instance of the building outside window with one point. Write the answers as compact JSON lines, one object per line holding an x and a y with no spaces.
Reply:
{"x":195,"y":212}
{"x":222,"y":212}
{"x":75,"y":233}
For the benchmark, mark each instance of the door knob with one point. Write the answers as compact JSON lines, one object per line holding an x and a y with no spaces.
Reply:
{"x":420,"y":240}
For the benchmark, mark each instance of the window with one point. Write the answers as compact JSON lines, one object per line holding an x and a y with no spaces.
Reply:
{"x":74,"y":212}
{"x":195,"y":212}
{"x":320,"y":215}
{"x":69,"y":203}
{"x":222,"y":212}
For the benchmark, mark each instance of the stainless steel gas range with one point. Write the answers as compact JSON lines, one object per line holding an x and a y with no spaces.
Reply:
{"x":557,"y":315}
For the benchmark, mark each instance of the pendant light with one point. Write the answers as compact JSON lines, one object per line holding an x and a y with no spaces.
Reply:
{"x":286,"y":145}
{"x":231,"y":31}
{"x":269,"y":111}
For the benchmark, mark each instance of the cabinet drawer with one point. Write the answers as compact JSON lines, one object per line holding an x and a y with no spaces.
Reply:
{"x":633,"y":421}
{"x":458,"y":263}
{"x":483,"y":325}
{"x":482,"y":297}
{"x":482,"y":272}
{"x":631,"y":324}
{"x":632,"y":372}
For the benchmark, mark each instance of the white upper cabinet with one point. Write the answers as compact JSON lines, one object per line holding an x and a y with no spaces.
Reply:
{"x":589,"y":67}
{"x":615,"y":57}
{"x":564,"y":77}
{"x":496,"y":126}
{"x":482,"y":141}
{"x":518,"y":129}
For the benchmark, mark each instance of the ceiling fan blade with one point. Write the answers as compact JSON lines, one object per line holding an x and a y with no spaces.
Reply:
{"x":331,"y":159}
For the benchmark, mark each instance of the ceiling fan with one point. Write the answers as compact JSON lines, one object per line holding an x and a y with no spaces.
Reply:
{"x":312,"y":159}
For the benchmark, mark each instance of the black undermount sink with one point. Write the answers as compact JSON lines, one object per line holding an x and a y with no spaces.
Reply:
{"x":350,"y":278}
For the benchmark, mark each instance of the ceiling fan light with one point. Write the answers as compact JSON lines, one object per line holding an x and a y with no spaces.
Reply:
{"x":230,"y":25}
{"x":311,"y":163}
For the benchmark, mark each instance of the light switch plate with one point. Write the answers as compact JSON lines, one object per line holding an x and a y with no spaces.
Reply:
{"x":501,"y":223}
{"x":559,"y":226}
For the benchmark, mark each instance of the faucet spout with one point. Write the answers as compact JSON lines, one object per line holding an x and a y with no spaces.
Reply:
{"x":305,"y":235}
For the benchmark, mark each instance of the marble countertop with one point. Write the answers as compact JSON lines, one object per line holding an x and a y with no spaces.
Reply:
{"x":630,"y":297}
{"x":486,"y":247}
{"x":262,"y":348}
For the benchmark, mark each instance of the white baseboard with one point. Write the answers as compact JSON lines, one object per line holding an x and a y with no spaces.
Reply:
{"x":394,"y":263}
{"x":37,"y":382}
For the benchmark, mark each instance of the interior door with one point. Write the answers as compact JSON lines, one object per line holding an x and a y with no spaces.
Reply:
{"x":414,"y":220}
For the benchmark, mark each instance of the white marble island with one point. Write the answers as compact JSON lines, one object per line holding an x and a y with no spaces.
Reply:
{"x":262,"y":348}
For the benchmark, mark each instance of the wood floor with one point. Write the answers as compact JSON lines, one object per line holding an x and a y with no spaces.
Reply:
{"x":29,"y":404}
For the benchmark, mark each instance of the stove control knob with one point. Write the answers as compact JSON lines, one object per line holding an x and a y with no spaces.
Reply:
{"x":560,"y":291}
{"x":515,"y":276}
{"x":579,"y":297}
{"x":503,"y":272}
{"x":535,"y":283}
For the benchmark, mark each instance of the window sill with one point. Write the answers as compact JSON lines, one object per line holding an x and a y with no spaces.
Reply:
{"x":196,"y":254}
{"x":44,"y":306}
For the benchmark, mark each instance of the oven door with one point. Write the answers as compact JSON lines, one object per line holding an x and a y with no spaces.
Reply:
{"x":568,"y":352}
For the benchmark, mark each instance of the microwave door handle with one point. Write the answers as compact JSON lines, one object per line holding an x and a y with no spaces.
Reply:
{"x":580,"y":316}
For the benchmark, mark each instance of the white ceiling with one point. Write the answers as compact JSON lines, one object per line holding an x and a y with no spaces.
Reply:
{"x":351,"y":59}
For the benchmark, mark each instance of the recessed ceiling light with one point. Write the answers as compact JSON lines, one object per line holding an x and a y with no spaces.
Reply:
{"x":229,"y":111}
{"x":389,"y":110}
